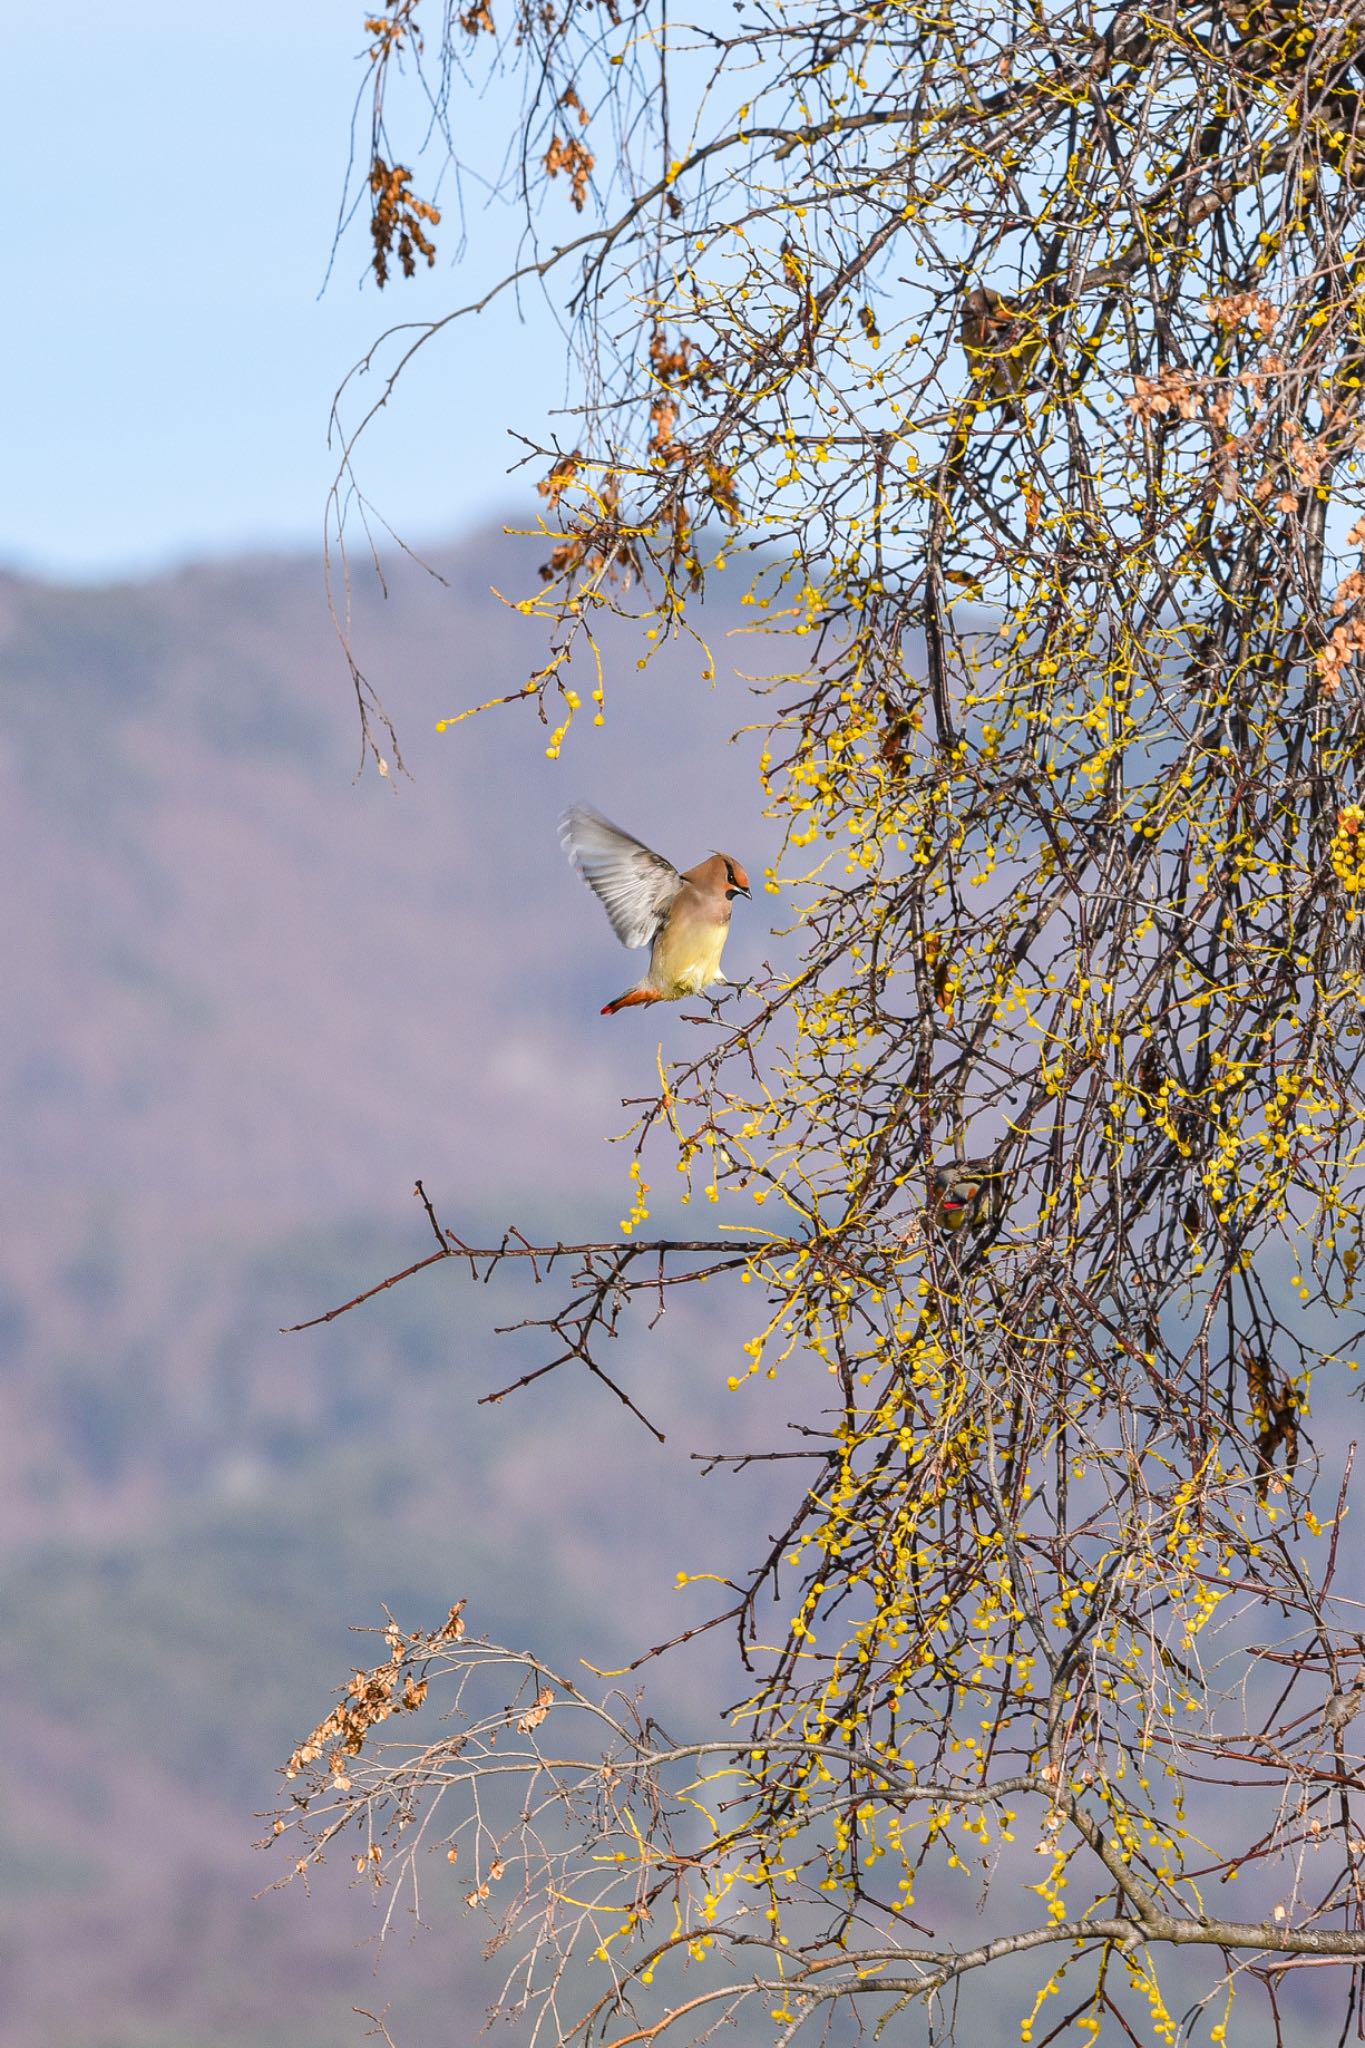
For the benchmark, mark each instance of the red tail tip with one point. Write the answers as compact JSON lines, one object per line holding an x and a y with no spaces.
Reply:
{"x":629,"y":1000}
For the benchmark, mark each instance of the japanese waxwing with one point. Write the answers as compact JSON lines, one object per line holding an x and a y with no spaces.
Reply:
{"x":965,"y":1197}
{"x":1342,"y":1707}
{"x":683,"y":918}
{"x":1001,"y":345}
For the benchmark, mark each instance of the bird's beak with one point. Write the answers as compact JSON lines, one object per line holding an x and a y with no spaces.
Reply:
{"x":742,"y":888}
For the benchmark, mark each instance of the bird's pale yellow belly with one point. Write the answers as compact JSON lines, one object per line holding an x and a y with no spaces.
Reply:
{"x":686,"y":962}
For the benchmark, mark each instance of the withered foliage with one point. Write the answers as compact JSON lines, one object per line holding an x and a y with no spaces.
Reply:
{"x":396,"y":220}
{"x":392,"y":1687}
{"x":1275,"y":1406}
{"x":566,"y":153}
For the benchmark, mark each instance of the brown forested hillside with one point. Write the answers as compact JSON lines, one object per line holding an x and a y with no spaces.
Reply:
{"x":249,"y":999}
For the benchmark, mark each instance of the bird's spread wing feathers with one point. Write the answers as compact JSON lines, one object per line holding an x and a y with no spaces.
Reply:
{"x":638,"y":888}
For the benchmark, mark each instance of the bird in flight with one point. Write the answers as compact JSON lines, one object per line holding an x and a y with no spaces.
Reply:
{"x":683,"y":918}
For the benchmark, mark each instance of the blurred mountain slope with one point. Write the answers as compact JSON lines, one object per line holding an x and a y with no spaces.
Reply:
{"x":251,"y":999}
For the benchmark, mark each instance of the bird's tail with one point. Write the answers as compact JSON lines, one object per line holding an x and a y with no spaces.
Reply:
{"x":628,"y":1001}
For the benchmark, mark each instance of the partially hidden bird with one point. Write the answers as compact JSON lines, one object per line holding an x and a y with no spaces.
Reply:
{"x":683,"y":918}
{"x":1342,"y":1707}
{"x":1002,"y":346}
{"x":965,"y":1197}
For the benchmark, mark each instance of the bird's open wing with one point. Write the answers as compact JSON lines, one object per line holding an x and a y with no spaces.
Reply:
{"x":637,"y":887}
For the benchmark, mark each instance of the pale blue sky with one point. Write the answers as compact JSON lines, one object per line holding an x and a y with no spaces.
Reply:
{"x":172,"y":176}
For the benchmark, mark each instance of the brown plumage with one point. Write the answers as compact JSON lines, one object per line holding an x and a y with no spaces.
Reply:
{"x":1001,"y":345}
{"x":683,"y":918}
{"x":965,"y":1197}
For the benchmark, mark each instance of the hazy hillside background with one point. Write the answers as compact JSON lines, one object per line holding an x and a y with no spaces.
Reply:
{"x":249,"y":1000}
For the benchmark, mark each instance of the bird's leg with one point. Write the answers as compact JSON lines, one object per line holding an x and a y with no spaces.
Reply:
{"x":729,"y":987}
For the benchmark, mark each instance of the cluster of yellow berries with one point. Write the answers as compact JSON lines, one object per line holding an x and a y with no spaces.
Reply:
{"x":1348,"y":848}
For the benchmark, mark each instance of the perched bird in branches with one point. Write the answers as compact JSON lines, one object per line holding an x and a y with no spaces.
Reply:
{"x":1001,"y":345}
{"x":1342,"y":1707}
{"x":683,"y":918}
{"x":966,"y":1197}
